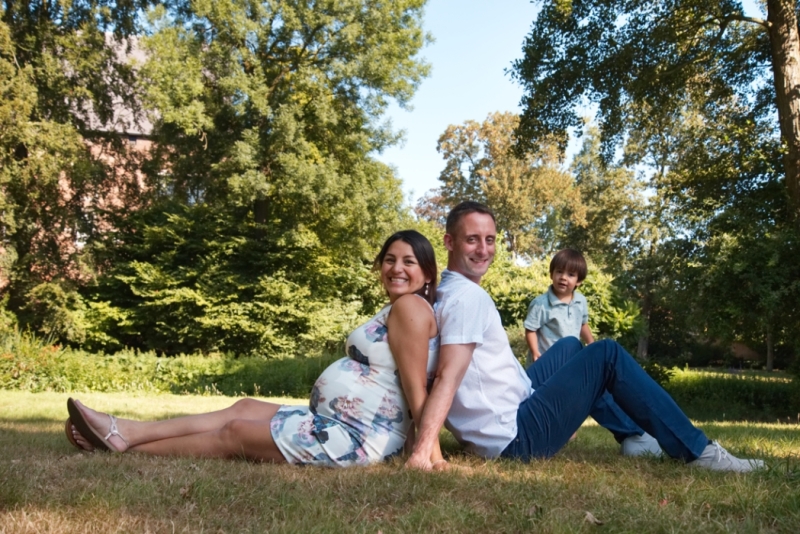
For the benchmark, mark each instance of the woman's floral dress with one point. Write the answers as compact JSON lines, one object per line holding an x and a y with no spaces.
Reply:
{"x":357,"y":413}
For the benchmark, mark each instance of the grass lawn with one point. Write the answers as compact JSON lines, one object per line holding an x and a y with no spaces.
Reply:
{"x":47,"y":486}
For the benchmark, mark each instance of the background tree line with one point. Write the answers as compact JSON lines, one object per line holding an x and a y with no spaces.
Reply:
{"x":250,"y":225}
{"x":260,"y":203}
{"x":685,"y":188}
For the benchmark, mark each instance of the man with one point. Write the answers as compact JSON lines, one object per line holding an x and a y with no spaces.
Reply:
{"x":488,"y":401}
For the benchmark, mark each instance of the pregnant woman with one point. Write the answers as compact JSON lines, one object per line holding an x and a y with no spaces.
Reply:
{"x":361,"y":407}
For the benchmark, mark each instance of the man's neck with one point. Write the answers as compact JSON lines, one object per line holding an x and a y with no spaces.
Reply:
{"x":453,"y":270}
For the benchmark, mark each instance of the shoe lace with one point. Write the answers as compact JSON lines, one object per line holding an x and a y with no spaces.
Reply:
{"x":719,"y":451}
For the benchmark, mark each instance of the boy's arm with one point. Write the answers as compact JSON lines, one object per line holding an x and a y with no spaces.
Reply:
{"x":586,"y":334}
{"x":533,"y":322}
{"x":533,"y":342}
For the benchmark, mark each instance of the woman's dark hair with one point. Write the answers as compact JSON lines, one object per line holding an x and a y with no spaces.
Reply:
{"x":425,"y":257}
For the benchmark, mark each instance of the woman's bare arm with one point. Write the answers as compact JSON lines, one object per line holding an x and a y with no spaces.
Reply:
{"x":411,"y":325}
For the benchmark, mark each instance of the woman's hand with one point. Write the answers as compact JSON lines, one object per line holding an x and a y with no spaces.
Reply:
{"x":420,"y":462}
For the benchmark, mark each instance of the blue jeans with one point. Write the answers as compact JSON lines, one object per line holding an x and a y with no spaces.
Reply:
{"x":604,"y":381}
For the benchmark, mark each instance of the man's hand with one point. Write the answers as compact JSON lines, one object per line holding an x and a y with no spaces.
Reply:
{"x":453,"y":363}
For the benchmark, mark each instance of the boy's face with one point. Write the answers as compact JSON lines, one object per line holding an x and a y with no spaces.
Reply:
{"x":564,"y":282}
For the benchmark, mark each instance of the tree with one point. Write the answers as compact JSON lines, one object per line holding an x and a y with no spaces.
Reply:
{"x":530,"y":195}
{"x":267,"y":204}
{"x":62,"y":76}
{"x":277,"y":107}
{"x":754,"y":280}
{"x":637,"y":60}
{"x":737,"y":282}
{"x":612,"y":198}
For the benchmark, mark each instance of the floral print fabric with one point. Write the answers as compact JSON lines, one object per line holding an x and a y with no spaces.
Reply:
{"x":357,"y":413}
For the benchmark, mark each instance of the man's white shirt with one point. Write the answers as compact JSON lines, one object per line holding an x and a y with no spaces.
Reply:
{"x":483,"y":416}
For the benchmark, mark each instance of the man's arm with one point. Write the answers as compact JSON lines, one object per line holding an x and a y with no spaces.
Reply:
{"x":454,"y":361}
{"x":533,"y":343}
{"x":586,"y":334}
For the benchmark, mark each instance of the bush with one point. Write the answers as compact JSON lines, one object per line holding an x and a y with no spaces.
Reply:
{"x":32,"y":364}
{"x":198,"y":280}
{"x":8,"y":321}
{"x":658,"y":372}
{"x":514,"y":286}
{"x":734,"y":395}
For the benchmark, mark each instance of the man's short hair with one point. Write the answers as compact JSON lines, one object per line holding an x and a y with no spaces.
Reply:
{"x":462,"y":210}
{"x":571,"y":260}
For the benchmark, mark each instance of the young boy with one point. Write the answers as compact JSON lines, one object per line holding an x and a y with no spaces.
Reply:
{"x":562,"y":311}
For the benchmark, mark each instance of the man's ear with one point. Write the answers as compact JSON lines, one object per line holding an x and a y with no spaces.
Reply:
{"x":448,"y":242}
{"x":578,"y":284}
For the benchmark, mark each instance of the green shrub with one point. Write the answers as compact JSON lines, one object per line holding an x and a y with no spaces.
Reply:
{"x":32,"y":364}
{"x":8,"y":321}
{"x":658,"y":372}
{"x":734,"y":395}
{"x":195,"y":279}
{"x":55,"y":311}
{"x":514,"y":286}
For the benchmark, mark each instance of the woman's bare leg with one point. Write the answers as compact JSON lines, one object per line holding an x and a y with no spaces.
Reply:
{"x":139,"y":433}
{"x":240,"y":438}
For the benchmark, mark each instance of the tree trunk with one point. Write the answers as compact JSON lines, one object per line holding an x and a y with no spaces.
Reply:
{"x":260,"y":216}
{"x":785,"y":45}
{"x":260,"y":208}
{"x":770,"y":350}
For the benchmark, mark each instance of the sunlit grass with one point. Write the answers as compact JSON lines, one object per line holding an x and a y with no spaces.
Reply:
{"x":45,"y":485}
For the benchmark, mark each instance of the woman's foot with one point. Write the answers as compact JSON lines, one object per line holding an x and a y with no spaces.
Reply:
{"x":101,"y":431}
{"x":78,"y":440}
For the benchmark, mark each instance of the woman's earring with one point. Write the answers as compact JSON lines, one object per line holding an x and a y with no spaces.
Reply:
{"x":426,"y":288}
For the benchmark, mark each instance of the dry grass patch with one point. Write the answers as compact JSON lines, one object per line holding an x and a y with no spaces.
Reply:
{"x":46,"y":486}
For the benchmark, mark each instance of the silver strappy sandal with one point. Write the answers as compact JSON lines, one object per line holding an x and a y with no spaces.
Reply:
{"x":99,"y":441}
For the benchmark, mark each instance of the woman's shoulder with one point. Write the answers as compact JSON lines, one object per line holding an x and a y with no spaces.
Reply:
{"x":411,"y":308}
{"x":412,"y":303}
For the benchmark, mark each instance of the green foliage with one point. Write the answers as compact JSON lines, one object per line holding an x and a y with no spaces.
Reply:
{"x":30,"y":363}
{"x":530,"y":195}
{"x":613,"y":201}
{"x":513,"y":287}
{"x":61,"y":76}
{"x":8,"y":321}
{"x":659,"y":373}
{"x":55,"y":312}
{"x":263,"y":203}
{"x":684,"y":89}
{"x":198,"y":279}
{"x":639,"y":62}
{"x":735,"y":395}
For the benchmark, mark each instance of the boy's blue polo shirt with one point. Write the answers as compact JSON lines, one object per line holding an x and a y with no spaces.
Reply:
{"x":552,"y":319}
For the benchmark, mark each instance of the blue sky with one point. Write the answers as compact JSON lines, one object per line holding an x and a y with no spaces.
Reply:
{"x":476,"y":42}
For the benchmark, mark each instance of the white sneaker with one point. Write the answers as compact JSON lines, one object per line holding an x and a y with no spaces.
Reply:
{"x":640,"y":446}
{"x":716,"y":458}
